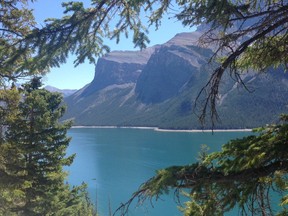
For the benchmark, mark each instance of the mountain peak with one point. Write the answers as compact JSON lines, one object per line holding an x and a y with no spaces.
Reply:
{"x":184,"y":39}
{"x":137,"y":57}
{"x":159,"y":85}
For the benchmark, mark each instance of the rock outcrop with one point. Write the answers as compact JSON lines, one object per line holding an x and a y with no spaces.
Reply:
{"x":118,"y":67}
{"x":157,"y":87}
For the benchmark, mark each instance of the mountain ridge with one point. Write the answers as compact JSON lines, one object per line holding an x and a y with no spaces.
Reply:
{"x":64,"y":92}
{"x":157,"y":87}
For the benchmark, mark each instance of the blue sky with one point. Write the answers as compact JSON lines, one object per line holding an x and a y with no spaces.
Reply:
{"x":69,"y":77}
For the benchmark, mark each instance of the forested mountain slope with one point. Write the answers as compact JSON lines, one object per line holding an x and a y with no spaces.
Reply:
{"x":158,"y":86}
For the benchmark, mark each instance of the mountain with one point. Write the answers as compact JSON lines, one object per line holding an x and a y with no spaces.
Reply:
{"x":157,"y":87}
{"x":64,"y":92}
{"x":117,"y":68}
{"x":170,"y":68}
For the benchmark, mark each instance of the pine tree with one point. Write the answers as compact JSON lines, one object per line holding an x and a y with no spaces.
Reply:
{"x":10,"y":195}
{"x":35,"y":144}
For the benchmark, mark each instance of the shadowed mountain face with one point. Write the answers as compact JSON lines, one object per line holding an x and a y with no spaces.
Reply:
{"x":168,"y":71}
{"x":158,"y":87}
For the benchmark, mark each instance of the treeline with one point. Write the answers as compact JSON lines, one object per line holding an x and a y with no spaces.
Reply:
{"x":238,"y":107}
{"x":32,"y":154}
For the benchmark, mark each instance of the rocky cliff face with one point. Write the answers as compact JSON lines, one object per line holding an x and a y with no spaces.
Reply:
{"x":118,"y":67}
{"x":158,"y":87}
{"x":168,"y":71}
{"x":159,"y":71}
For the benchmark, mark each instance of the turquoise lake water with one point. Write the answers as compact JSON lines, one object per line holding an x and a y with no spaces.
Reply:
{"x":114,"y":162}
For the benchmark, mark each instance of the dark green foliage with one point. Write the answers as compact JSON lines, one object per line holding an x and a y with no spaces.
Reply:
{"x":243,"y":174}
{"x":26,"y":49}
{"x":33,"y":153}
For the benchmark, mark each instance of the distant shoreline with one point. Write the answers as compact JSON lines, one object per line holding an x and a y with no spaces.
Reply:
{"x":169,"y":130}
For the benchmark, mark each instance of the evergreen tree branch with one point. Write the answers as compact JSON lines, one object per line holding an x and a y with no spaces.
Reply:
{"x":242,"y":173}
{"x":214,"y":82}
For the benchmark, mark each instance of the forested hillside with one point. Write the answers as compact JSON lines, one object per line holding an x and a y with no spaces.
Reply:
{"x":158,"y":87}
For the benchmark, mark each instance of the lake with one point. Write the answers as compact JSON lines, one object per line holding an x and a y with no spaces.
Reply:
{"x":114,"y":162}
